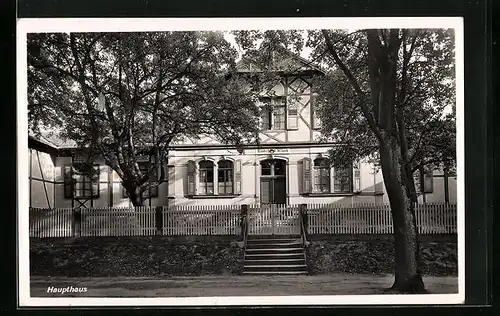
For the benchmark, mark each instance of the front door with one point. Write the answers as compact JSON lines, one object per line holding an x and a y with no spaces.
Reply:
{"x":273,"y":217}
{"x":273,"y":182}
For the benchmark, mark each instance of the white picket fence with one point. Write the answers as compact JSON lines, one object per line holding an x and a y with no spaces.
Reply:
{"x":50,"y":222}
{"x":138,"y":221}
{"x":202,"y":220}
{"x":431,"y":218}
{"x":273,"y":219}
{"x":225,"y":220}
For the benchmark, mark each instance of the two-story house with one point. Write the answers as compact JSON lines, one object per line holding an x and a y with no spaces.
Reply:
{"x":288,"y":166}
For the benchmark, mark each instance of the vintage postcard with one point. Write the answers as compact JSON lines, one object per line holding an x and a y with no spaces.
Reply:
{"x":240,"y":161}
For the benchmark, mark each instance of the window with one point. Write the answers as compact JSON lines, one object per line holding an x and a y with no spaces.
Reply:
{"x":342,"y":179}
{"x":265,"y":117}
{"x":273,"y":167}
{"x":273,"y":114}
{"x":152,"y":190}
{"x":206,"y":178}
{"x":152,"y":187}
{"x":279,"y":117}
{"x":266,"y":167}
{"x":316,"y":122}
{"x":428,"y":182}
{"x":321,"y":175}
{"x":225,"y":177}
{"x":80,"y":181}
{"x":426,"y":177}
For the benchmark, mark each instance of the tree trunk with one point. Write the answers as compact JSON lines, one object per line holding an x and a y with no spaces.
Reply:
{"x":135,"y":195}
{"x":408,"y":278}
{"x":446,"y":184}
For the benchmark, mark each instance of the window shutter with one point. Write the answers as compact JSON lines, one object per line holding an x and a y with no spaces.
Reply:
{"x":357,"y":177}
{"x":68,"y":182}
{"x":171,"y":180}
{"x":191,"y":177}
{"x":96,"y":172}
{"x":306,"y":175}
{"x":237,"y":177}
{"x":428,"y":178}
{"x":416,"y":179}
{"x":316,"y":122}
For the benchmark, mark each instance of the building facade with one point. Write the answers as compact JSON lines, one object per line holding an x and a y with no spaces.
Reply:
{"x":289,"y":166}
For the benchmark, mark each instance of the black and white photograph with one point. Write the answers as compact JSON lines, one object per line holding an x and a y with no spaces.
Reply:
{"x":215,"y":161}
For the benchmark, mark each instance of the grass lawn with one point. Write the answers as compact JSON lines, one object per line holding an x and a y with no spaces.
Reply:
{"x":338,"y":284}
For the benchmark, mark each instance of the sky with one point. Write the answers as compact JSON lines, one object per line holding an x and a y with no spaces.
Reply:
{"x":305,"y":53}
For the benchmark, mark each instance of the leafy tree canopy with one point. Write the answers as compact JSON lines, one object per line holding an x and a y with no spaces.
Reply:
{"x":425,"y":84}
{"x":123,"y":94}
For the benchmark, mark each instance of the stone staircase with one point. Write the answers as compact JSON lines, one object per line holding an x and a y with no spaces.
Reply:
{"x":274,"y":255}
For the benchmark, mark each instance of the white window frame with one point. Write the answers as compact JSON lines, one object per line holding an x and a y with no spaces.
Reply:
{"x":271,"y":114}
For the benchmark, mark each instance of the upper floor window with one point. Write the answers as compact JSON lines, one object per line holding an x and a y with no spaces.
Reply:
{"x":206,"y":177}
{"x":273,"y":113}
{"x":321,"y":175}
{"x":80,"y":181}
{"x":225,"y":177}
{"x":315,"y":120}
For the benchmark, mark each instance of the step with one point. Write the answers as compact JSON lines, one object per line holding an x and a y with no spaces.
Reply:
{"x":271,"y":253}
{"x":274,"y":272}
{"x":283,"y":255}
{"x":273,"y":261}
{"x":273,"y":246}
{"x":276,"y":266}
{"x":273,"y":250}
{"x":296,"y":243}
{"x":276,"y":249}
{"x":273,"y":237}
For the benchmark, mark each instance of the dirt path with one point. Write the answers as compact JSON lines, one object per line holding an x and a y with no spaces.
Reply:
{"x":231,"y":286}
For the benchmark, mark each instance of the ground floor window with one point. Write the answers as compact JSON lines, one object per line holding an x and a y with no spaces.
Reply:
{"x":342,"y":179}
{"x":212,"y":177}
{"x":152,"y":189}
{"x":81,"y":181}
{"x":225,"y":177}
{"x":206,"y":178}
{"x":321,"y":175}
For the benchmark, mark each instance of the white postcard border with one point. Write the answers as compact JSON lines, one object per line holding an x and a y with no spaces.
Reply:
{"x":37,"y":25}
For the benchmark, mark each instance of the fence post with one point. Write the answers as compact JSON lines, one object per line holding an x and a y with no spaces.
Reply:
{"x":303,"y":215}
{"x":159,"y":220}
{"x":243,"y":217}
{"x":77,"y":222}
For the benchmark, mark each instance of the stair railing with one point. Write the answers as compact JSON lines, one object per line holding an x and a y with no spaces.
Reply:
{"x":303,"y":231}
{"x":245,"y":230}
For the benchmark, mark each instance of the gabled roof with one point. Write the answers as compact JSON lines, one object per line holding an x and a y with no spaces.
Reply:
{"x":52,"y":140}
{"x":286,"y":62}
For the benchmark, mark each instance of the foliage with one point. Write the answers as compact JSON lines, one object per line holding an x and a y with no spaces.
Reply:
{"x":425,"y":80}
{"x":125,"y":94}
{"x":425,"y":89}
